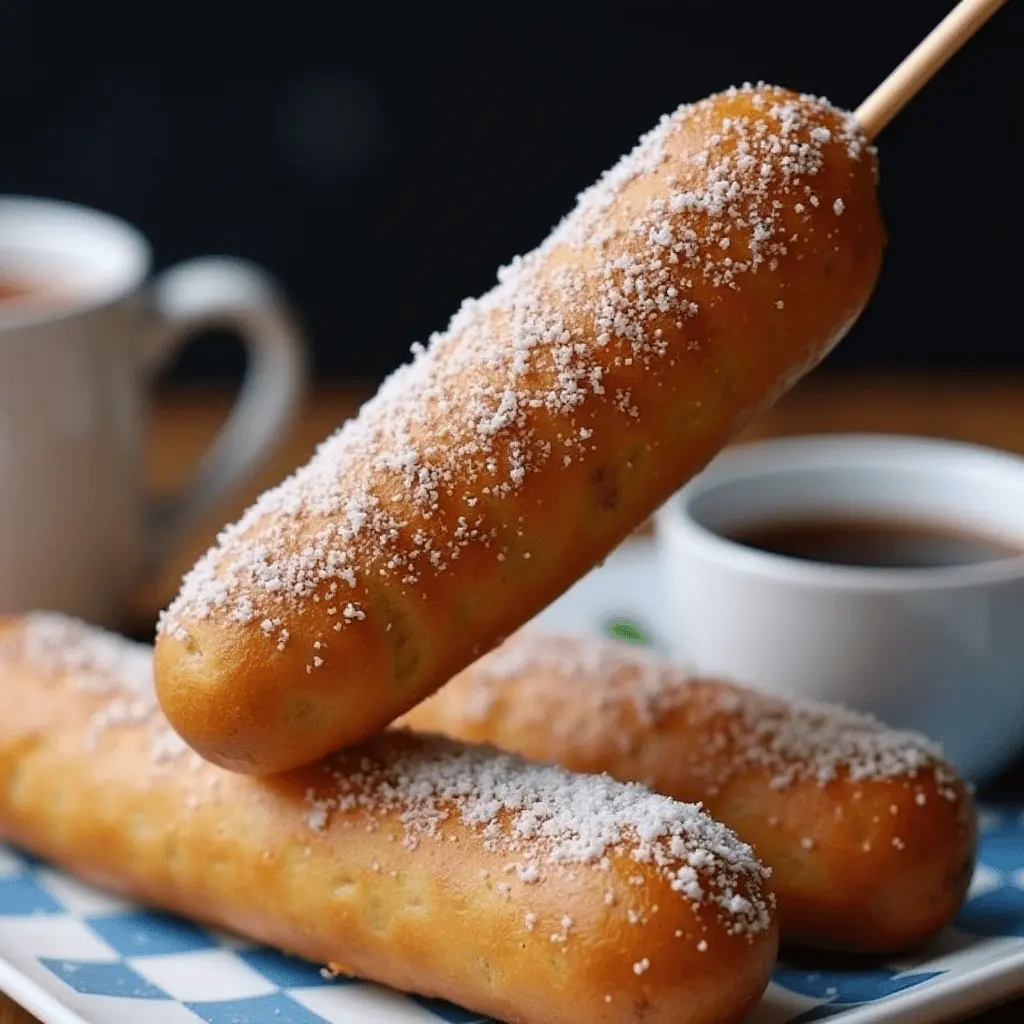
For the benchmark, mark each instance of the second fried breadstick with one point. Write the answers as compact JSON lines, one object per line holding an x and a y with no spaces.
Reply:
{"x":870,"y":834}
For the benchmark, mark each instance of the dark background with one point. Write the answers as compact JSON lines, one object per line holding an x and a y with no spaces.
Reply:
{"x":383,"y":159}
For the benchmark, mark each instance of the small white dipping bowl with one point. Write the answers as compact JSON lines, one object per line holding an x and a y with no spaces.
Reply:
{"x":937,"y":649}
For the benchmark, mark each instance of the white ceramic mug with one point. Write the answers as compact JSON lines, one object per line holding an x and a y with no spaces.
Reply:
{"x":77,"y":530}
{"x":938,"y":649}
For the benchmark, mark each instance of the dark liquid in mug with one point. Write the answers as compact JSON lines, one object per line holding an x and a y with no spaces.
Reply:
{"x":866,"y":543}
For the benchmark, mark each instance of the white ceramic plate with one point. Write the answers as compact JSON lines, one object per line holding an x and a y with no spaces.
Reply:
{"x":72,"y":955}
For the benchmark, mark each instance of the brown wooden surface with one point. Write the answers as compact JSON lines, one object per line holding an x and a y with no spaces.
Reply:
{"x":12,"y":1014}
{"x":983,"y":409}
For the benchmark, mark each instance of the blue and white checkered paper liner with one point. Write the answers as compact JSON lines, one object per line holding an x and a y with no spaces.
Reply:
{"x":72,"y":954}
{"x":114,"y":963}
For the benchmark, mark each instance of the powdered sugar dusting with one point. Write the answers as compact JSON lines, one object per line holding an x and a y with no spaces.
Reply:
{"x":59,"y":647}
{"x":599,"y":673}
{"x":421,"y":474}
{"x":794,"y":740}
{"x":538,"y":819}
{"x":552,"y":816}
{"x":95,"y":660}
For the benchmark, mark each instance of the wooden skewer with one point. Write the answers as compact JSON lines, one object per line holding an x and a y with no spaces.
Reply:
{"x":930,"y":54}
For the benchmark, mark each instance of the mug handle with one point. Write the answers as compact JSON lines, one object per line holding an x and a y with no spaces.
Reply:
{"x":223,"y":293}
